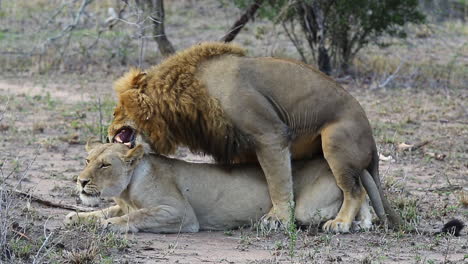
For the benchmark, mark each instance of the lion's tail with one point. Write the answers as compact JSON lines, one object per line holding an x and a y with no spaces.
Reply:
{"x":376,"y":195}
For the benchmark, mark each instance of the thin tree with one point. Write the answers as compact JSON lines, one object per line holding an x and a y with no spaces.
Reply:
{"x":155,"y":8}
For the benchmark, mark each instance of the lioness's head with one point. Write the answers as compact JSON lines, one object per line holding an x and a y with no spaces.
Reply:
{"x":107,"y":171}
{"x":133,"y":106}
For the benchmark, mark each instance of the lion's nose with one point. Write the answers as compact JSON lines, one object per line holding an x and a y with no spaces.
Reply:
{"x":83,"y":182}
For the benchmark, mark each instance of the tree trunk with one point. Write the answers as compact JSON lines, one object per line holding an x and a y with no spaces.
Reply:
{"x":159,"y":35}
{"x":155,"y":8}
{"x":324,"y":60}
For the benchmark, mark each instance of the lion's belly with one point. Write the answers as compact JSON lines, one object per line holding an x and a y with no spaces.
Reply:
{"x":303,"y":147}
{"x":306,"y":147}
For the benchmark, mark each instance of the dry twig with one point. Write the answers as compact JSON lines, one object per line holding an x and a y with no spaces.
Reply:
{"x":240,"y":23}
{"x":50,"y":203}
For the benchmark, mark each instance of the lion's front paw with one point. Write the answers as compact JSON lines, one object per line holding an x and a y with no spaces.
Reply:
{"x":337,"y":226}
{"x":275,"y":219}
{"x":71,"y":218}
{"x":118,"y":226}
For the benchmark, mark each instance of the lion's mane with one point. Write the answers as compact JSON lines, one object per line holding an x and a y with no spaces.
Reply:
{"x":173,"y":108}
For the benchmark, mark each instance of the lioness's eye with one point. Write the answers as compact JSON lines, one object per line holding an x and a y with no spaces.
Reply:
{"x":104,"y":165}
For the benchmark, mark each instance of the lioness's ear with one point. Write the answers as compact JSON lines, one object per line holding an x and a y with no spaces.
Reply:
{"x":134,"y":154}
{"x":92,"y":143}
{"x":137,"y":104}
{"x":134,"y":79}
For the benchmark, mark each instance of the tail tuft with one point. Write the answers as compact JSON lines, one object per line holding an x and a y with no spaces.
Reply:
{"x":453,"y":227}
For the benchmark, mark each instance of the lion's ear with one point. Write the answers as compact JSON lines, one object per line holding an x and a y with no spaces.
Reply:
{"x":134,"y":79}
{"x":92,"y":143}
{"x":134,"y":154}
{"x":137,"y":104}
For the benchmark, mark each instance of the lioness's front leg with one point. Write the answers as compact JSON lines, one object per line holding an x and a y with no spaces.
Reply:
{"x":74,"y":217}
{"x":160,"y":219}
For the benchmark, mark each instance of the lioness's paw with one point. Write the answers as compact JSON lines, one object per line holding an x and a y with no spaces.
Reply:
{"x":71,"y":218}
{"x":337,"y":226}
{"x":116,"y":225}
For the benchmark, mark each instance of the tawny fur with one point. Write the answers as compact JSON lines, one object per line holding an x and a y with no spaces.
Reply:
{"x":213,"y":99}
{"x":161,"y":195}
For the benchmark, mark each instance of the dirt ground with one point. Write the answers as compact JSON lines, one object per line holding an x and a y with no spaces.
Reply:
{"x":44,"y":130}
{"x":46,"y":117}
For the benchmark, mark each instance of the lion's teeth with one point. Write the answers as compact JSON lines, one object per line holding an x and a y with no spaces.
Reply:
{"x":128,"y":144}
{"x":118,"y":139}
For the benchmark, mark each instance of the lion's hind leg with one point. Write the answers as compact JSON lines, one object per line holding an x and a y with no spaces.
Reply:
{"x":344,"y":148}
{"x":364,"y":217}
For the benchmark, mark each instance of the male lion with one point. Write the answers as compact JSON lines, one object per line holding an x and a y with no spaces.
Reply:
{"x":215,"y":100}
{"x":157,"y":194}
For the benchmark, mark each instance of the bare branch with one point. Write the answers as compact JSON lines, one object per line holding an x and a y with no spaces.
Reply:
{"x":389,"y":78}
{"x":71,"y":26}
{"x":240,"y":23}
{"x":50,"y":203}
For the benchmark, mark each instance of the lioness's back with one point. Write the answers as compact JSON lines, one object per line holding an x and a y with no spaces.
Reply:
{"x":237,"y":195}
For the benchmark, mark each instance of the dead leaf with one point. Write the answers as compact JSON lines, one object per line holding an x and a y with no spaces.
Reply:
{"x":385,"y":158}
{"x":403,"y":146}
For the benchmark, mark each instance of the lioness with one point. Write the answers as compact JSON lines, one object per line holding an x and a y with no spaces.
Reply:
{"x":214,"y":99}
{"x":157,"y":194}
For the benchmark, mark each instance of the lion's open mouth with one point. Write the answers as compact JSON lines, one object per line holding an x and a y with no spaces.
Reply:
{"x":126,"y":135}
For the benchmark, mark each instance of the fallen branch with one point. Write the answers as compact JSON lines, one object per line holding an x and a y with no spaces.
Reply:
{"x":240,"y":23}
{"x":450,"y":188}
{"x":21,"y":234}
{"x":50,"y":203}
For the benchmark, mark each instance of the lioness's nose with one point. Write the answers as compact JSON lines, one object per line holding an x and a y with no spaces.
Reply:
{"x":83,"y":182}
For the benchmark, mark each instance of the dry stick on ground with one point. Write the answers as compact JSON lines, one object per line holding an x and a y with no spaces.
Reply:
{"x":240,"y":23}
{"x":50,"y":203}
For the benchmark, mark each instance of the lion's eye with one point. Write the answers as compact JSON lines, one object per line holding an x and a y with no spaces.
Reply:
{"x":87,"y":161}
{"x":104,"y":165}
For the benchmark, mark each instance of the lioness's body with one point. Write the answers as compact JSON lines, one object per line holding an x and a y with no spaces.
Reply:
{"x":215,"y":100}
{"x":159,"y":194}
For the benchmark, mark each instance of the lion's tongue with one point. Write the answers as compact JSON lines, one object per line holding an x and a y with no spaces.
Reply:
{"x":124,"y":136}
